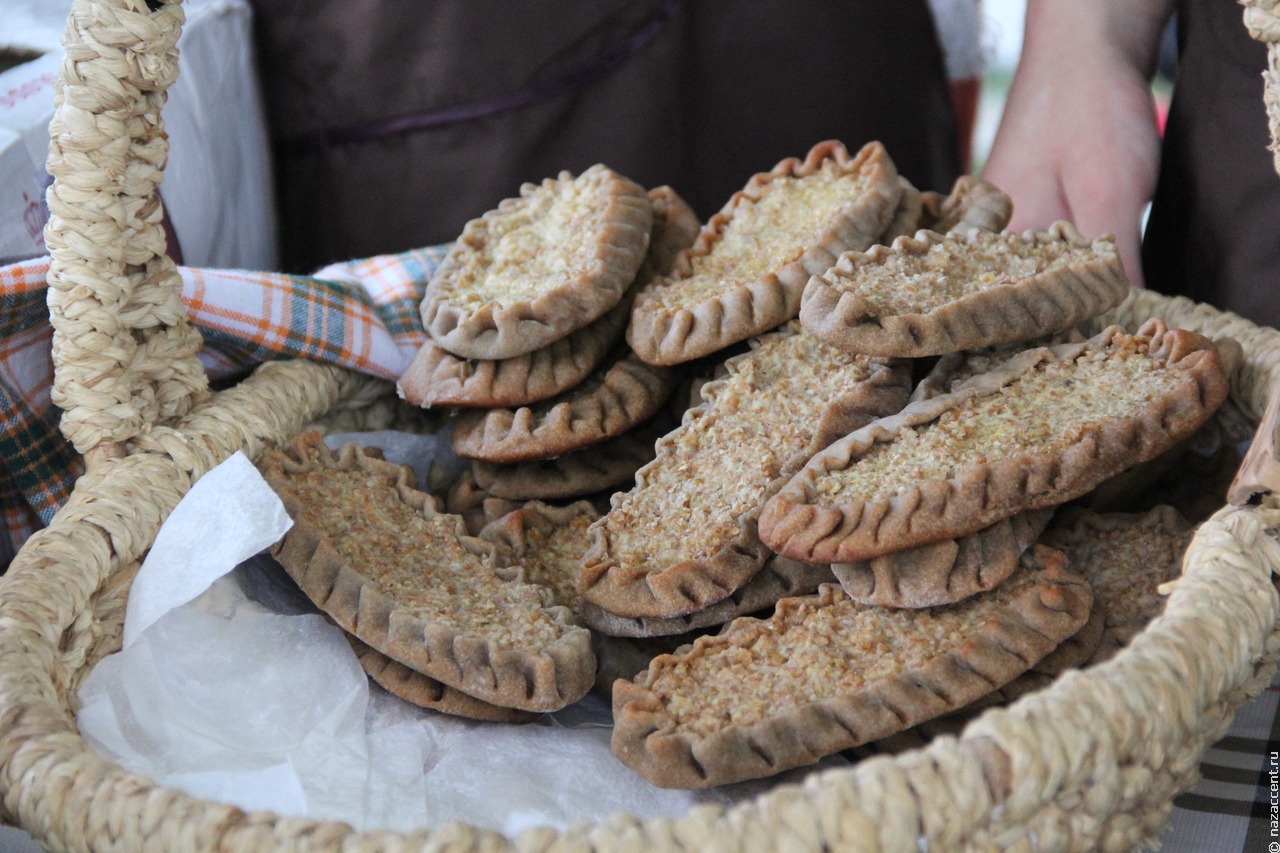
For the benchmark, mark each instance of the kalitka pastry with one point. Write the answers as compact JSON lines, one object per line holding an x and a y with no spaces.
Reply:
{"x":621,"y":394}
{"x":437,"y":377}
{"x":685,"y":536}
{"x":1043,"y":428}
{"x":417,"y":689}
{"x":373,"y":553}
{"x":608,"y":465}
{"x":746,"y":271}
{"x":972,"y":204}
{"x":547,"y":542}
{"x":825,"y":674}
{"x":1126,"y":557}
{"x":933,"y":294}
{"x":539,"y":266}
{"x":943,"y":572}
{"x":779,"y":578}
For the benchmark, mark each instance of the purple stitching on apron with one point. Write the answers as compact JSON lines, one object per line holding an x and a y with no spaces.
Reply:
{"x":604,"y":63}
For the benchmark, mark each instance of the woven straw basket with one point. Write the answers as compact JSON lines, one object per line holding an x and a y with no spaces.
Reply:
{"x":1092,"y":762}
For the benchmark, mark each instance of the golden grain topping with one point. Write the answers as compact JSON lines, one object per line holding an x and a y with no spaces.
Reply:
{"x":417,"y":560}
{"x":553,"y":556}
{"x":1126,"y":565}
{"x":535,"y":244}
{"x":764,"y":235}
{"x":812,"y":652}
{"x":904,"y":282}
{"x":1029,"y":415}
{"x":722,"y":461}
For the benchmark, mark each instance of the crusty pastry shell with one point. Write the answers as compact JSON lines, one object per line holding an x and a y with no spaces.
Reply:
{"x":661,"y":335}
{"x":693,"y":584}
{"x":607,"y":465}
{"x":1073,"y":653}
{"x":496,"y":330}
{"x":547,"y":680}
{"x":647,"y":739}
{"x":675,"y":228}
{"x":780,"y":578}
{"x":473,"y":504}
{"x":906,"y":216}
{"x":977,"y":495}
{"x":510,"y":533}
{"x":437,"y":377}
{"x":1041,"y":304}
{"x":973,"y":204}
{"x":425,"y":692}
{"x":627,"y":393}
{"x":1077,"y":526}
{"x":943,"y":572}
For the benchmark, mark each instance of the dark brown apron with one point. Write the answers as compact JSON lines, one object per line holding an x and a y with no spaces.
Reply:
{"x":1212,"y":231}
{"x":396,"y":121}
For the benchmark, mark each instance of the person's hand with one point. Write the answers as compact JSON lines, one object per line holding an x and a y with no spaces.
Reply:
{"x":1078,"y":140}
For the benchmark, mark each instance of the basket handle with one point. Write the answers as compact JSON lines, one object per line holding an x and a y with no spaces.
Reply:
{"x":1259,"y":473}
{"x":1262,"y":19}
{"x":124,"y":352}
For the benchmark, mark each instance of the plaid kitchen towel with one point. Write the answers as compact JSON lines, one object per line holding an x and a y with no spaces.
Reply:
{"x":361,"y":314}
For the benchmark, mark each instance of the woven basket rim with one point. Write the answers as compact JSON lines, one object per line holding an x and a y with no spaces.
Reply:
{"x":1091,"y":761}
{"x":1175,"y":656}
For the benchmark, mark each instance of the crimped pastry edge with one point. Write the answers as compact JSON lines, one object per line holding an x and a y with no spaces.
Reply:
{"x":1042,"y":304}
{"x":662,"y":336}
{"x":425,"y":692}
{"x":649,"y":741}
{"x":944,"y":572}
{"x":977,"y":495}
{"x":556,"y":676}
{"x":972,"y":204}
{"x":609,"y":464}
{"x":437,"y":377}
{"x":511,"y":531}
{"x":693,"y":584}
{"x":495,"y":331}
{"x":779,"y":578}
{"x":1075,"y":525}
{"x":630,"y":392}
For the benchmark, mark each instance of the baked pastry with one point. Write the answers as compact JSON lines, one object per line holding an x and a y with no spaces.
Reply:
{"x":623,"y":393}
{"x":546,"y":543}
{"x":972,"y":204}
{"x":685,"y":536}
{"x":906,"y":216}
{"x":934,"y":294}
{"x":824,"y":674}
{"x":779,"y":578}
{"x":675,"y":228}
{"x":437,"y":377}
{"x":417,"y":689}
{"x":1126,"y":557}
{"x":539,"y":266}
{"x":373,"y":553}
{"x":1044,"y":428}
{"x":745,"y":273}
{"x":943,"y":572}
{"x":476,"y":507}
{"x":608,"y":465}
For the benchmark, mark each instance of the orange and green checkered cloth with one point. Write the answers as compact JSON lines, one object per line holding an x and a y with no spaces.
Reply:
{"x":361,"y":314}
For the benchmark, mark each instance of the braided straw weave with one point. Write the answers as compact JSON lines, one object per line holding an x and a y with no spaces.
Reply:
{"x":1092,"y":762}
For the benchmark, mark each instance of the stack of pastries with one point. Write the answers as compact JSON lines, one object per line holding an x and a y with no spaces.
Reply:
{"x":865,"y":521}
